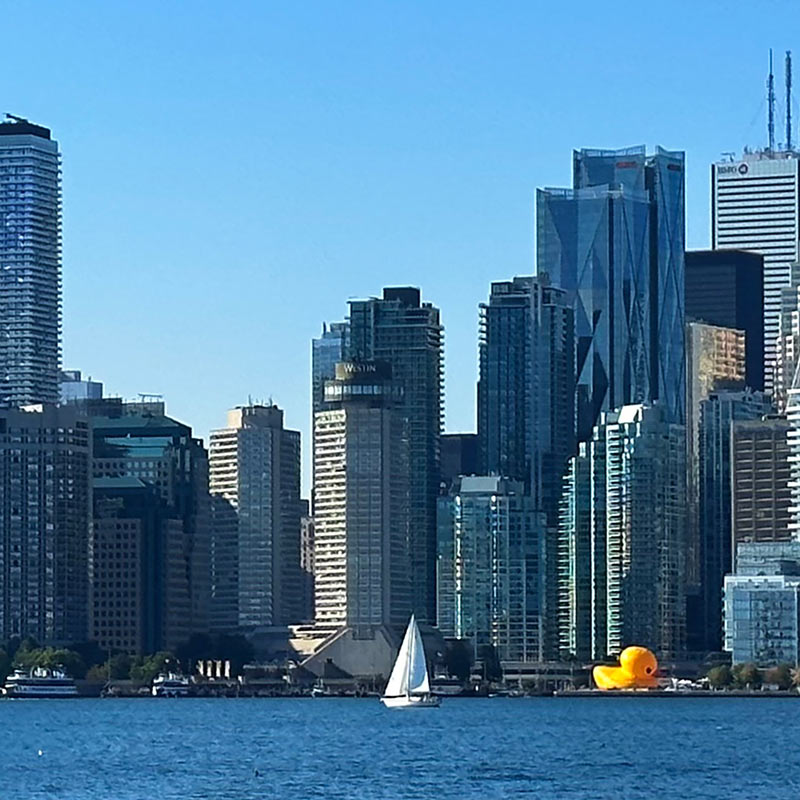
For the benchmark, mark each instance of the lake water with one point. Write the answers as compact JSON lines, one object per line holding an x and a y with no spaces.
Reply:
{"x":621,"y":748}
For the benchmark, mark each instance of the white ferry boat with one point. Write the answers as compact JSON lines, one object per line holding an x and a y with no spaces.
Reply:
{"x":170,"y":685}
{"x":39,"y":682}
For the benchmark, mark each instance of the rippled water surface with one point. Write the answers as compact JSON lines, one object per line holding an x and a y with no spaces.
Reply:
{"x":335,"y":748}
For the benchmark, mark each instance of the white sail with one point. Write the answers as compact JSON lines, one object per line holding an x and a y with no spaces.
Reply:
{"x":410,"y":672}
{"x":418,"y":669}
{"x":398,"y":680}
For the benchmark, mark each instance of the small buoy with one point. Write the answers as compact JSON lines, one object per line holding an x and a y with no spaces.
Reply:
{"x":41,"y":752}
{"x":255,"y":771}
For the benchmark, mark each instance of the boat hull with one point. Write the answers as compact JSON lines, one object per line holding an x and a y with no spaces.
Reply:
{"x":411,"y":701}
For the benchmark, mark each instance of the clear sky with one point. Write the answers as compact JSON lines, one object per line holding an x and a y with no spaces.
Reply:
{"x":235,"y":171}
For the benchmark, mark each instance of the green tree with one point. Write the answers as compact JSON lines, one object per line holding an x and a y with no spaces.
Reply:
{"x":458,"y":659}
{"x":97,"y":674}
{"x":5,"y":665}
{"x":746,"y":676}
{"x":119,"y":666}
{"x":720,"y":676}
{"x":143,"y":670}
{"x":780,"y":675}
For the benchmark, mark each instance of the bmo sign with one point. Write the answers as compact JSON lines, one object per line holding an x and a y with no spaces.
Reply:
{"x":732,"y":169}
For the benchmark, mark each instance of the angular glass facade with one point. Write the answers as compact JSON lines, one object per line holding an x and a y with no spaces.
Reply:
{"x":615,"y":243}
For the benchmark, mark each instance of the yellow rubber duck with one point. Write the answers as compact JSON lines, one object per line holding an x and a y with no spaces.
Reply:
{"x":637,"y":670}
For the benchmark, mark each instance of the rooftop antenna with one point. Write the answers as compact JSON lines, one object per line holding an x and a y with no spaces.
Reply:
{"x":771,"y":106}
{"x":789,"y":100}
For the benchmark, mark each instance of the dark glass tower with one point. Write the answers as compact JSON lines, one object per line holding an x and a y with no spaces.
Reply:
{"x":726,"y":288}
{"x":718,"y":413}
{"x":408,"y":334}
{"x":504,"y":383}
{"x":615,"y":243}
{"x":30,"y":264}
{"x":526,"y":407}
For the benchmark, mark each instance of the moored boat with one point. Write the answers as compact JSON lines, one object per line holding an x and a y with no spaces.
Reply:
{"x":40,"y":682}
{"x":170,"y":685}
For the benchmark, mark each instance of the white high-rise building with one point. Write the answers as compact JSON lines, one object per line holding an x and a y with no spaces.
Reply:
{"x":254,"y":479}
{"x":361,"y":538}
{"x":754,"y":206}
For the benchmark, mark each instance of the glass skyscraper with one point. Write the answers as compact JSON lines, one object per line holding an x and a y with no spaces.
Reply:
{"x":615,"y":242}
{"x":489,"y":576}
{"x":718,"y":412}
{"x":30,"y":264}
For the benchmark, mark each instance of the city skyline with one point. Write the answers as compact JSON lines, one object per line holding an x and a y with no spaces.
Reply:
{"x":343,"y":211}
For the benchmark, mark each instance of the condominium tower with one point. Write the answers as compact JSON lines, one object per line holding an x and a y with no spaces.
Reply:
{"x":489,"y":568}
{"x":624,"y":508}
{"x":30,"y":263}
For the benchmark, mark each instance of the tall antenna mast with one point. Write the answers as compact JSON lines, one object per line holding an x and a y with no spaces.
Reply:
{"x":789,"y":100}
{"x":771,"y":106}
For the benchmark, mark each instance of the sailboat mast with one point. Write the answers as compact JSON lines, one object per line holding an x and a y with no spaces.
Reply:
{"x":409,"y":659}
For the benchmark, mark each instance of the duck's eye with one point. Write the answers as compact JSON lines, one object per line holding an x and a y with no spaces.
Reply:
{"x":648,"y":670}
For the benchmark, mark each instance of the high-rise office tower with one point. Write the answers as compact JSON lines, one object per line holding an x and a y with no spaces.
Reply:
{"x":326,"y":352}
{"x":726,"y":288}
{"x":787,"y":347}
{"x":139,"y":584}
{"x":307,"y":560}
{"x":715,"y":359}
{"x":30,"y":263}
{"x":361,"y":533}
{"x":138,"y":441}
{"x":760,"y":472}
{"x":459,"y":456}
{"x":254,"y":479}
{"x":408,"y":335}
{"x":615,"y":243}
{"x":638,"y":485}
{"x":754,"y":206}
{"x":45,"y":520}
{"x":73,"y":388}
{"x":489,"y":574}
{"x":718,"y":413}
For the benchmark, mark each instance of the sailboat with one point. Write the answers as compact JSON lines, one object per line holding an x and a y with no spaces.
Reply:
{"x":408,"y":685}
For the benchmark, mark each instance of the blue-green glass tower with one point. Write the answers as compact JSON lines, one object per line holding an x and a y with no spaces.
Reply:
{"x":615,"y":241}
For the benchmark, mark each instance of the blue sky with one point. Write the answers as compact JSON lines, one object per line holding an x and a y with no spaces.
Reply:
{"x":234,"y":172}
